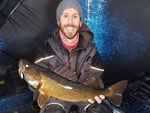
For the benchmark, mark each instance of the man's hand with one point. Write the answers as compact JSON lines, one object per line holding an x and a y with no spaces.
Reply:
{"x":98,"y":99}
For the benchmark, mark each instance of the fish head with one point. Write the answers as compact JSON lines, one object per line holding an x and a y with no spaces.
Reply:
{"x":29,"y":72}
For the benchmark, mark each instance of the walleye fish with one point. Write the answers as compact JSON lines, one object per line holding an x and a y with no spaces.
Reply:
{"x":49,"y":84}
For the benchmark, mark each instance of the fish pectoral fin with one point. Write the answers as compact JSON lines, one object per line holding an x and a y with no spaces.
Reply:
{"x":37,"y":89}
{"x":42,"y":100}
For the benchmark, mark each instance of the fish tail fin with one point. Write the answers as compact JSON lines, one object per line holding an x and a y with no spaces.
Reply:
{"x":115,"y":92}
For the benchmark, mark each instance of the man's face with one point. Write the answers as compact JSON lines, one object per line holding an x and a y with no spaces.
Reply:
{"x":70,"y":23}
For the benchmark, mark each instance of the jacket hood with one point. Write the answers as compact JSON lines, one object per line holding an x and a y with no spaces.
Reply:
{"x":84,"y":32}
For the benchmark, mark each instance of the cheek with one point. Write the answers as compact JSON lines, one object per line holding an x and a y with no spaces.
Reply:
{"x":77,"y":22}
{"x":63,"y":22}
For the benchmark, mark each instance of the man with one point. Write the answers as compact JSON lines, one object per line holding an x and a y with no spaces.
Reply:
{"x":71,"y":54}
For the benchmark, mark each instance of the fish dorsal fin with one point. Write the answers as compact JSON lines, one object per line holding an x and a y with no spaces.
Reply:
{"x":92,"y":82}
{"x":37,"y":89}
{"x":42,"y":100}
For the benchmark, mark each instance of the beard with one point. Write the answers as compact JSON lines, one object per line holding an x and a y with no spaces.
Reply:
{"x":67,"y":34}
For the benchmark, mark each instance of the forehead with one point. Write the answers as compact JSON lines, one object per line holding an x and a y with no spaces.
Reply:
{"x":70,"y":11}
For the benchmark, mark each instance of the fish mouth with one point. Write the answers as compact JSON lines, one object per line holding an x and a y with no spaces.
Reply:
{"x":21,"y":69}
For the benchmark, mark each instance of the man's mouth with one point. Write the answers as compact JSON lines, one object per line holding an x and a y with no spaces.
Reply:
{"x":70,"y":29}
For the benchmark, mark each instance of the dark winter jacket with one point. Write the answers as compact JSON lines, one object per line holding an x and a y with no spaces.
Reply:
{"x":82,"y":65}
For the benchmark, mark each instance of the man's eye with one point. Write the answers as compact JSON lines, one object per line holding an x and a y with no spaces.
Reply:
{"x":65,"y":16}
{"x":75,"y":16}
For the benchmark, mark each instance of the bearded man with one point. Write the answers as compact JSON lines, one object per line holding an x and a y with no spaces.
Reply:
{"x":71,"y":54}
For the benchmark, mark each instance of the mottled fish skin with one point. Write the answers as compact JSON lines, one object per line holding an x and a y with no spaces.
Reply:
{"x":51,"y":84}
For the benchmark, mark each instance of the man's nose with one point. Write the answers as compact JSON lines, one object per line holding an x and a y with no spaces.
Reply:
{"x":70,"y":20}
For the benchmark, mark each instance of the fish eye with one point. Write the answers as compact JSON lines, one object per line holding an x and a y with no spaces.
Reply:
{"x":27,"y":65}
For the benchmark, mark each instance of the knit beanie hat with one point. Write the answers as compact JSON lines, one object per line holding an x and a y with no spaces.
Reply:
{"x":66,"y":4}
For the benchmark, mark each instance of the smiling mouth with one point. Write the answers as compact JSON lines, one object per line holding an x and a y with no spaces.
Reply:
{"x":70,"y":29}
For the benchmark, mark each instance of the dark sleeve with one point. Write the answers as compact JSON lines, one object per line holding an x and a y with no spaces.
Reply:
{"x":96,"y":62}
{"x":43,"y":54}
